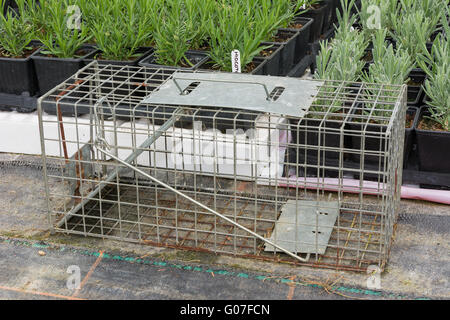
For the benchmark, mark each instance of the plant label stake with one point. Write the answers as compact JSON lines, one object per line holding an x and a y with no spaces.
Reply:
{"x":236,"y":61}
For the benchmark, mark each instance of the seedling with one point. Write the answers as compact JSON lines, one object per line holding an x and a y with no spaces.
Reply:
{"x":16,"y":32}
{"x":412,"y":30}
{"x":235,"y":29}
{"x":437,"y":86}
{"x":390,"y":68}
{"x":341,"y":60}
{"x":59,"y":39}
{"x":121,"y":27}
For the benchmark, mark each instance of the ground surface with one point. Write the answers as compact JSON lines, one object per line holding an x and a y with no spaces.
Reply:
{"x":34,"y":263}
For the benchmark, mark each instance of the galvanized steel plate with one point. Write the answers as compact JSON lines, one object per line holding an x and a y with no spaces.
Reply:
{"x":239,"y":91}
{"x":313,"y":227}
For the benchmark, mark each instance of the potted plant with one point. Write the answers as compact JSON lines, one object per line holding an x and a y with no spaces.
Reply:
{"x":16,"y":49}
{"x":232,"y":30}
{"x":390,"y":70}
{"x":321,"y":134}
{"x":63,"y":47}
{"x":285,"y":15}
{"x":178,"y":28}
{"x":433,"y":124}
{"x":318,"y":11}
{"x":120,"y":29}
{"x":293,"y":21}
{"x":412,"y":29}
{"x":271,"y":18}
{"x":387,"y":9}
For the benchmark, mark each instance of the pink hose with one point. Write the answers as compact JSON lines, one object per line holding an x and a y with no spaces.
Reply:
{"x":368,"y":187}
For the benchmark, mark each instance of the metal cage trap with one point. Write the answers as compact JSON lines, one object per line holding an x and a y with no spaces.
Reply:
{"x":298,"y":171}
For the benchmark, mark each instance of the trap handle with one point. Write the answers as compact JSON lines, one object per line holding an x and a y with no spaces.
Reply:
{"x":268,"y":98}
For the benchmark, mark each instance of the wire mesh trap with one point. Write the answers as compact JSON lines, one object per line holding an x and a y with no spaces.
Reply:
{"x":184,"y":160}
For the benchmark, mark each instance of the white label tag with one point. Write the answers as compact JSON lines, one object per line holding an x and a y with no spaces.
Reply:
{"x":236,"y":61}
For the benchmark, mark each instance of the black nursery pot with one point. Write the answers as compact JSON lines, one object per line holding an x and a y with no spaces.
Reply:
{"x":314,"y":135}
{"x":417,"y":75}
{"x":374,"y":143}
{"x":52,"y":71}
{"x":197,"y":58}
{"x":288,"y":51}
{"x":259,"y":64}
{"x":18,"y":76}
{"x":272,"y":62}
{"x":318,"y":16}
{"x":141,"y":53}
{"x":432,"y":147}
{"x":415,"y":93}
{"x":115,"y":81}
{"x":336,"y":5}
{"x":328,"y":16}
{"x":302,"y":40}
{"x":411,"y":113}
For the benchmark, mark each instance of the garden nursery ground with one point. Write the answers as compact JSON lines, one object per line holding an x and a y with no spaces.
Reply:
{"x":35,"y":261}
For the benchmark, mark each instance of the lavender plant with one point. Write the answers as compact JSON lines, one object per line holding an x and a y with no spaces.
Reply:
{"x":235,"y":29}
{"x":341,"y":59}
{"x":390,"y":69}
{"x":121,"y":27}
{"x":16,"y":31}
{"x":437,"y":86}
{"x":173,"y":34}
{"x":59,"y":39}
{"x":412,"y":29}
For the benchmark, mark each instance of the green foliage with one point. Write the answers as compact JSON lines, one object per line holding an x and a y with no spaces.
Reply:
{"x":368,"y":15}
{"x":234,"y":29}
{"x":16,"y":32}
{"x":58,"y":37}
{"x":412,"y":29}
{"x":390,"y":68}
{"x":121,"y":27}
{"x":197,"y":15}
{"x":341,"y":60}
{"x":173,"y":33}
{"x":437,"y":86}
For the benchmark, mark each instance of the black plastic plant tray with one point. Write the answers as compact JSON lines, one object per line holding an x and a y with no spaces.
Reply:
{"x":318,"y":16}
{"x":52,"y":71}
{"x":272,"y":62}
{"x":432,"y":147}
{"x":302,"y":40}
{"x":22,"y":103}
{"x":300,"y":68}
{"x":140,"y":53}
{"x":288,"y":51}
{"x":197,"y":58}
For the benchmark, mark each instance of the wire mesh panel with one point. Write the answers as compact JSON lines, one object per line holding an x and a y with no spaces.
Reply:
{"x":320,"y":189}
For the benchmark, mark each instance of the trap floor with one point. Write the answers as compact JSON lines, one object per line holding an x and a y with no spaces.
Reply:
{"x":156,"y":216}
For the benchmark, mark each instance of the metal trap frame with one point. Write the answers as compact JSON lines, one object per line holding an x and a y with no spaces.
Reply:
{"x":316,"y":183}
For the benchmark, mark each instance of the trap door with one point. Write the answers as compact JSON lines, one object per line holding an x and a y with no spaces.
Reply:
{"x":305,"y":226}
{"x":275,"y":95}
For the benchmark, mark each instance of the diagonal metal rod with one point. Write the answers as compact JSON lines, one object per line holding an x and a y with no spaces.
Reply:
{"x":133,"y":156}
{"x":127,"y":164}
